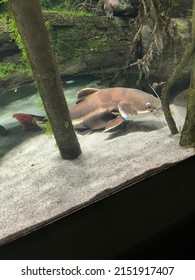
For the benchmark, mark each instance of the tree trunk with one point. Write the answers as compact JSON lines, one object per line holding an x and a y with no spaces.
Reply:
{"x":188,"y":132}
{"x":28,"y":16}
{"x":165,"y":91}
{"x":189,"y":124}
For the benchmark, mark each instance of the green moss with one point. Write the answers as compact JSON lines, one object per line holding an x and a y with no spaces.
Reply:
{"x":47,"y":128}
{"x":63,"y":7}
{"x":68,"y":12}
{"x":111,"y":71}
{"x":60,"y":44}
{"x":89,"y":46}
{"x":4,"y":22}
{"x":49,"y":4}
{"x":7,"y":68}
{"x":183,"y":25}
{"x":8,"y":24}
{"x":78,"y":42}
{"x":15,"y":35}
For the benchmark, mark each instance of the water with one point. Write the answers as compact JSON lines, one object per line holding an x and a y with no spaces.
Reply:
{"x":30,"y":101}
{"x":27,"y":100}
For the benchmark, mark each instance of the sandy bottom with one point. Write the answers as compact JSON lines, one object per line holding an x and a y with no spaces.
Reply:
{"x":36,"y":185}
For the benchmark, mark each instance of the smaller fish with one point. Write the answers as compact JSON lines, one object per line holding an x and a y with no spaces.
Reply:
{"x":30,"y":122}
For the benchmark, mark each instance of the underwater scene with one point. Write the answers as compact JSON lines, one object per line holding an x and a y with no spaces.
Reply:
{"x":129,"y":112}
{"x":27,"y":103}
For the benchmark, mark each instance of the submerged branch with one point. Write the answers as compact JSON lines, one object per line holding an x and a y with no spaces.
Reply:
{"x":165,"y":91}
{"x":188,"y":132}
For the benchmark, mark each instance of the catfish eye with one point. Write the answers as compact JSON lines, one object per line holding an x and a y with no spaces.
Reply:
{"x":148,"y":105}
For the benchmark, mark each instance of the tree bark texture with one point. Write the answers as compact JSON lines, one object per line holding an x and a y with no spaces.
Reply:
{"x":188,"y":132}
{"x":175,"y":74}
{"x":166,"y":89}
{"x":29,"y":19}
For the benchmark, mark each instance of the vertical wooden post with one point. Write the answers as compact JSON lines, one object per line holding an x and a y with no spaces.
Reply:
{"x":29,"y":19}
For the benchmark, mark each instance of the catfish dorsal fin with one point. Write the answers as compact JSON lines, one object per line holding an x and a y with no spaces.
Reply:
{"x":85,"y":92}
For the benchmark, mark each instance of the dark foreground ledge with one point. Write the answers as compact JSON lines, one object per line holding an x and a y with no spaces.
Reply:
{"x":151,"y":220}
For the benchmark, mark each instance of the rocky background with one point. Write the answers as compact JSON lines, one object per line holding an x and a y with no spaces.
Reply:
{"x":94,"y":44}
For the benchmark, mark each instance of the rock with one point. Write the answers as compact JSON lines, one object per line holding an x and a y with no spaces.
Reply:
{"x":98,"y":46}
{"x":7,"y":46}
{"x":120,"y":8}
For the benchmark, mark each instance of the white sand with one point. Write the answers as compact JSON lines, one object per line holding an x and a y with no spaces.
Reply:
{"x":36,"y":185}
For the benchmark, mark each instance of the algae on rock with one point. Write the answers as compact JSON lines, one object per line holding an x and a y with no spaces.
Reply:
{"x":95,"y":45}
